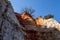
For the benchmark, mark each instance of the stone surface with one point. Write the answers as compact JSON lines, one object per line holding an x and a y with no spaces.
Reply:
{"x":10,"y":29}
{"x":43,"y":32}
{"x":24,"y":27}
{"x":51,"y":23}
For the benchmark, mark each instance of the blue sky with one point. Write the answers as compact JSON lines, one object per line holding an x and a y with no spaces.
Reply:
{"x":41,"y":7}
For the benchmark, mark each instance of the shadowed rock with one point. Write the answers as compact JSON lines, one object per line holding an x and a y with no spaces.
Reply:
{"x":10,"y":29}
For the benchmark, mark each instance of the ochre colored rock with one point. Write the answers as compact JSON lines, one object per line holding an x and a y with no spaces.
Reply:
{"x":27,"y":19}
{"x":39,"y":21}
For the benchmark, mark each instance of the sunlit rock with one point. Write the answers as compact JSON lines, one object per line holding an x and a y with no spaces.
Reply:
{"x":39,"y":21}
{"x":51,"y":23}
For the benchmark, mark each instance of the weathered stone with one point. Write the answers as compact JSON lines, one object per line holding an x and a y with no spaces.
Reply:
{"x":25,"y":28}
{"x":10,"y":29}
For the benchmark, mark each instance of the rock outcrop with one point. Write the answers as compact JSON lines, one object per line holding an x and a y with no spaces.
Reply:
{"x":39,"y":21}
{"x":51,"y":23}
{"x":10,"y":29}
{"x":43,"y":29}
{"x":40,"y":30}
{"x":24,"y":27}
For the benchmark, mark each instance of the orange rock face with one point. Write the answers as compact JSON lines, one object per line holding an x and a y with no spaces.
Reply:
{"x":29,"y":19}
{"x":25,"y":19}
{"x":35,"y":33}
{"x":39,"y":21}
{"x":25,"y":16}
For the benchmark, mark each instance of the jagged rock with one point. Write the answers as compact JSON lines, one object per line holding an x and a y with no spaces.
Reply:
{"x":25,"y":19}
{"x":39,"y":33}
{"x":25,"y":28}
{"x":51,"y":23}
{"x":39,"y":21}
{"x":10,"y":29}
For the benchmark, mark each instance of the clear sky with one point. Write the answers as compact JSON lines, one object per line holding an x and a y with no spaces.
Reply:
{"x":41,"y":7}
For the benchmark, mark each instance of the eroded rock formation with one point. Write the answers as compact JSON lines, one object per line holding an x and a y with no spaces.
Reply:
{"x":40,"y":30}
{"x":10,"y":29}
{"x":23,"y":26}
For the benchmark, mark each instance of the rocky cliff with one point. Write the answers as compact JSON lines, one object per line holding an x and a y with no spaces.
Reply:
{"x":43,"y":29}
{"x":15,"y":26}
{"x":10,"y":29}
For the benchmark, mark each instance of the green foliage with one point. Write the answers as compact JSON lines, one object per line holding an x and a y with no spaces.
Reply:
{"x":48,"y":16}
